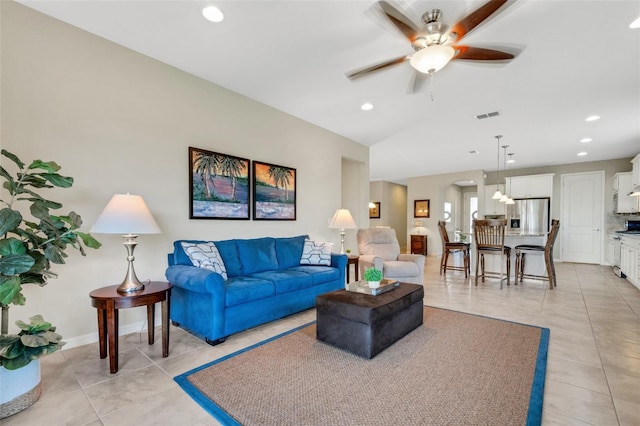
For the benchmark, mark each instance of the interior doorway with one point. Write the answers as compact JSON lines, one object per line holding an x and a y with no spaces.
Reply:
{"x":582,"y":216}
{"x":470,"y":211}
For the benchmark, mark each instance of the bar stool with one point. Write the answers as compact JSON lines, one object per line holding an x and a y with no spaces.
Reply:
{"x":452,"y":247}
{"x":489,"y":239}
{"x":547,"y":250}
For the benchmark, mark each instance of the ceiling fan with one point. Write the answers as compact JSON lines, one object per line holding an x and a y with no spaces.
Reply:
{"x":436,"y":44}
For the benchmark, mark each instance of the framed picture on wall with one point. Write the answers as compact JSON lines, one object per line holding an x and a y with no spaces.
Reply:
{"x":274,"y":192}
{"x":374,"y":212}
{"x":421,"y":208}
{"x":218,"y":185}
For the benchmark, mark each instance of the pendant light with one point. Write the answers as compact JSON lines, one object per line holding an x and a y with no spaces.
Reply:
{"x":504,"y":197}
{"x":497,"y":195}
{"x":510,"y":200}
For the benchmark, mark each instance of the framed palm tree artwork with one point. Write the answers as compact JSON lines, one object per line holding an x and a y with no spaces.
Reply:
{"x":274,"y":192}
{"x":218,"y":185}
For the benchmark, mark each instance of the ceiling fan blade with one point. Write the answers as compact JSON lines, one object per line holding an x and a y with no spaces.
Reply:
{"x":480,"y":54}
{"x":469,"y":22}
{"x":400,"y":21}
{"x":389,"y":63}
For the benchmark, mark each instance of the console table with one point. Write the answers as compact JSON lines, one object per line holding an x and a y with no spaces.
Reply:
{"x":107,"y":301}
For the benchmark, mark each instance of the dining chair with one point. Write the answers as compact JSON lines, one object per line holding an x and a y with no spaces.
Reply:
{"x":452,"y":247}
{"x":547,"y":250}
{"x":489,"y":240}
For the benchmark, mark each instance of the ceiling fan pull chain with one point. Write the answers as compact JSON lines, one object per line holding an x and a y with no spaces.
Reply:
{"x":431,"y":86}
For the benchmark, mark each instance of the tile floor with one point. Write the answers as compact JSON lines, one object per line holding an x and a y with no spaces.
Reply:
{"x":593,"y":372}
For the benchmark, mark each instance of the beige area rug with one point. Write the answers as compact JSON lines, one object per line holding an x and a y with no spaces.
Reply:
{"x":455,"y":369}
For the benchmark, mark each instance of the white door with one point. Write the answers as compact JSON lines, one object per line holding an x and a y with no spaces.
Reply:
{"x":581,"y":220}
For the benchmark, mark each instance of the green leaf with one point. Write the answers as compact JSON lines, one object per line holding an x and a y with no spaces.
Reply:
{"x":58,"y":180}
{"x":13,"y":158}
{"x":51,"y":336}
{"x":39,"y":210}
{"x":6,"y":175}
{"x":50,"y":166}
{"x":14,"y":264}
{"x":88,"y":240}
{"x":54,"y":254}
{"x":9,"y":220}
{"x":15,"y":363}
{"x":10,"y":291}
{"x":34,"y":340}
{"x":12,"y":246}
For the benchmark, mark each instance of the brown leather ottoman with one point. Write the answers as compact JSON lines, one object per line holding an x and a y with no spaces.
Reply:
{"x":366,"y":325}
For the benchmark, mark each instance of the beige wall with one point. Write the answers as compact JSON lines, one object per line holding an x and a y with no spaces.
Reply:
{"x":118,"y":122}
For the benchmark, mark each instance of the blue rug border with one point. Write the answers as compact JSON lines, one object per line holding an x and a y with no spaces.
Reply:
{"x":534,"y":413}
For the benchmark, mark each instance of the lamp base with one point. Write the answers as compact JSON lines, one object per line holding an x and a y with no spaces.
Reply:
{"x":131,"y":282}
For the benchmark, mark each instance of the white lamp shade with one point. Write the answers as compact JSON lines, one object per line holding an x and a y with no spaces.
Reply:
{"x":126,"y":214}
{"x":497,"y":195}
{"x":432,"y":58}
{"x":342,"y":220}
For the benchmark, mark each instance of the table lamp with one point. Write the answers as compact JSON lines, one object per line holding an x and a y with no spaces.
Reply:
{"x":342,"y":220}
{"x":128,"y":215}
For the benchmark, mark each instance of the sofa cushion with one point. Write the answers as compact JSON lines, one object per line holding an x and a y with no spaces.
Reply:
{"x":316,"y":253}
{"x":257,"y":255}
{"x":286,"y":280}
{"x":289,"y":250}
{"x":319,"y":274}
{"x":241,"y":290}
{"x":205,"y":255}
{"x":229,"y":253}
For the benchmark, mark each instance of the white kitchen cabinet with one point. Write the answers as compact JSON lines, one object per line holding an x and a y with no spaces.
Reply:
{"x":635,"y":177}
{"x":530,"y":186}
{"x":491,"y":206}
{"x":630,"y":259}
{"x":621,"y":188}
{"x":609,"y":252}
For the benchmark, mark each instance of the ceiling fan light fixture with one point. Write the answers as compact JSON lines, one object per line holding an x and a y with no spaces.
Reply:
{"x":431,"y":59}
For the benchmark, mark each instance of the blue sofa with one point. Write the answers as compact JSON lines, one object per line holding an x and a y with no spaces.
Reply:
{"x":265,"y":282}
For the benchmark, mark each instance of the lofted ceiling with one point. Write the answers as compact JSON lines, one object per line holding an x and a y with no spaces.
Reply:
{"x":577,"y":58}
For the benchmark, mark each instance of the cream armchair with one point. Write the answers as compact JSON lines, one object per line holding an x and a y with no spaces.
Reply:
{"x":379,"y":248}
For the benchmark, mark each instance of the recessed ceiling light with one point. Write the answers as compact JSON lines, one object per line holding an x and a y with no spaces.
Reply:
{"x":582,"y":154}
{"x":592,"y":118}
{"x":635,"y":24}
{"x":212,"y":14}
{"x":366,"y":106}
{"x":585,"y":140}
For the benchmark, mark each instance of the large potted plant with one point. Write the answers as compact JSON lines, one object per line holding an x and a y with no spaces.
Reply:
{"x":28,"y":248}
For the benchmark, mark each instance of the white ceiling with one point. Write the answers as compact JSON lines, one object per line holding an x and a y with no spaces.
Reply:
{"x":577,"y":58}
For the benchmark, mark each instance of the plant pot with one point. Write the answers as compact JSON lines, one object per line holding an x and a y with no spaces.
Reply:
{"x":374,"y":284}
{"x":19,"y":388}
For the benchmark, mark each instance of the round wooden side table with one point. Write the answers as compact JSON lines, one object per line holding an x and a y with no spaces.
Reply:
{"x":107,"y":301}
{"x":353,"y":260}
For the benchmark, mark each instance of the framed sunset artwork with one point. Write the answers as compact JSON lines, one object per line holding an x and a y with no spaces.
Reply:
{"x":218,"y":185}
{"x":274,"y":192}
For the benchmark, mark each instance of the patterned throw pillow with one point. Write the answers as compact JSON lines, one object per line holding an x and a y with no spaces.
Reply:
{"x":205,"y":255}
{"x":316,"y":253}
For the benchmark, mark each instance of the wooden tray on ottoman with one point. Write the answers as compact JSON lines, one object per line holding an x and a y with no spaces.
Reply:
{"x":366,"y":325}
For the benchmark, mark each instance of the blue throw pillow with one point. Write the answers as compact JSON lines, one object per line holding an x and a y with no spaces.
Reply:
{"x":289,"y":250}
{"x":257,"y":255}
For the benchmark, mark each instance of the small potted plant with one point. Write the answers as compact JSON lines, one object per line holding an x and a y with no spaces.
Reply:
{"x":348,"y":251}
{"x":373,"y":276}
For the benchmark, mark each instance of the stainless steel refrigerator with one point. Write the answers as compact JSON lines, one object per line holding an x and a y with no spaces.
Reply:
{"x":528,"y":216}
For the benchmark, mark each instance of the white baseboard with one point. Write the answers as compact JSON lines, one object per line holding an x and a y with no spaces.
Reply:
{"x":86,"y":339}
